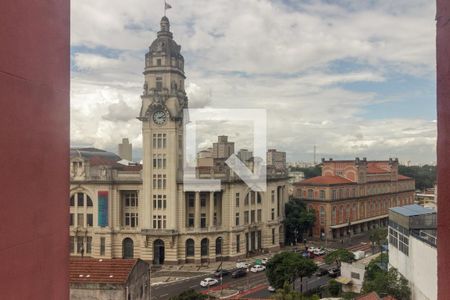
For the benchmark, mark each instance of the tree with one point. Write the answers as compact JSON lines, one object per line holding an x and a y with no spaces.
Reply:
{"x":189,"y":295}
{"x":286,"y":293}
{"x":285,"y":267}
{"x":338,"y":256}
{"x":373,"y":268}
{"x":309,"y":172}
{"x":334,"y":288}
{"x":425,"y":176}
{"x":386,"y":283}
{"x":378,"y":237}
{"x":298,"y":220}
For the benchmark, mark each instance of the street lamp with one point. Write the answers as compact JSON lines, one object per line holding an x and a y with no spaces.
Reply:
{"x":221,"y":267}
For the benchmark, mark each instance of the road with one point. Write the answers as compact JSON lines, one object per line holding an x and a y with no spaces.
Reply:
{"x":165,"y":291}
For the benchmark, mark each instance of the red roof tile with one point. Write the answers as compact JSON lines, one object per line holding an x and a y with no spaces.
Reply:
{"x":374,"y":169}
{"x":370,"y":296}
{"x":100,"y":270}
{"x":325,"y":180}
{"x":402,"y":177}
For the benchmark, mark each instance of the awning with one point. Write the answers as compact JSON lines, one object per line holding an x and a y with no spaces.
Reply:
{"x":358,"y":222}
{"x":343,"y":280}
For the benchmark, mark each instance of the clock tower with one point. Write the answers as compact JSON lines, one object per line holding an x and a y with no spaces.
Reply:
{"x":163,"y":101}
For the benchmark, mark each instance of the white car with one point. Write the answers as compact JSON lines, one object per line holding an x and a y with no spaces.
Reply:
{"x":271,"y":289}
{"x":257,"y":268}
{"x":208,"y":282}
{"x":319,"y":252}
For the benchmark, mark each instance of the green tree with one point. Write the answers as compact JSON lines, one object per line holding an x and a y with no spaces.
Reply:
{"x":286,"y":293}
{"x":373,"y":268}
{"x":298,"y":220}
{"x":387,"y":283}
{"x":286,"y":267}
{"x":309,"y":172}
{"x":334,"y":288}
{"x":189,"y":295}
{"x":378,"y":237}
{"x":338,"y":256}
{"x":425,"y":176}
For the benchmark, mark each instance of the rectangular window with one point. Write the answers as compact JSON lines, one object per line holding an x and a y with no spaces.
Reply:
{"x":102,"y":246}
{"x":203,"y":220}
{"x":237,"y":199}
{"x":88,"y":244}
{"x":79,"y":244}
{"x":322,"y":194}
{"x":272,"y":196}
{"x":238,"y":243}
{"x":246,"y":217}
{"x":158,"y":62}
{"x":127,"y":219}
{"x":72,"y":244}
{"x":259,"y":215}
{"x":154,"y":222}
{"x":191,"y":220}
{"x":71,"y":220}
{"x":354,"y":275}
{"x":252,"y":216}
{"x":334,"y":195}
{"x":273,"y":236}
{"x":191,"y":200}
{"x":246,"y":199}
{"x":90,"y":220}
{"x":273,"y":214}
{"x":237,"y":219}
{"x":80,"y":220}
{"x":164,"y":221}
{"x":202,"y":200}
{"x":80,"y":198}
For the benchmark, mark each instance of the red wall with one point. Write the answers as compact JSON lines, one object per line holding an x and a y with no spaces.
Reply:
{"x":443,"y":149}
{"x":34,"y":149}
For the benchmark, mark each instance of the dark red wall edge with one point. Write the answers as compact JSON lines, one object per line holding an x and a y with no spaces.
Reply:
{"x":443,"y":146}
{"x":34,"y":148}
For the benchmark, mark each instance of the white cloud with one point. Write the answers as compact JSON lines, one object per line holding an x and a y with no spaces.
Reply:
{"x":260,"y":54}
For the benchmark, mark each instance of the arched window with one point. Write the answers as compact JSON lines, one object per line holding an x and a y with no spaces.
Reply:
{"x":127,"y":248}
{"x":81,"y":210}
{"x":204,"y":247}
{"x":219,"y":246}
{"x":190,"y":247}
{"x":310,"y":194}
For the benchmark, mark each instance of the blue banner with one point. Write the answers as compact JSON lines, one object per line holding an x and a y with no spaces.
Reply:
{"x":103,"y":209}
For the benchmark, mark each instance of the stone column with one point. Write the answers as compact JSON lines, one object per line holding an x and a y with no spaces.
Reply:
{"x":197,"y":210}
{"x":211,"y":209}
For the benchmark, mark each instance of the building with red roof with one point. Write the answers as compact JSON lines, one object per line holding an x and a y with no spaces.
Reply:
{"x":108,"y":279}
{"x":352,"y":196}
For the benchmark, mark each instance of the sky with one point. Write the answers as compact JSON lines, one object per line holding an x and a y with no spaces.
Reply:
{"x":355,"y":78}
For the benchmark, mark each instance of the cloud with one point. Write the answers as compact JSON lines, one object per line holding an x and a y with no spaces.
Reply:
{"x":120,"y":112}
{"x":320,"y":68}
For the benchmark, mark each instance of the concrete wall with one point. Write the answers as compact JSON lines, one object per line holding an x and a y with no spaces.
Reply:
{"x":420,"y":268}
{"x":34,"y":131}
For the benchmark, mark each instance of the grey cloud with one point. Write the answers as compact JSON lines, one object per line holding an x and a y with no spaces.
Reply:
{"x":120,"y":112}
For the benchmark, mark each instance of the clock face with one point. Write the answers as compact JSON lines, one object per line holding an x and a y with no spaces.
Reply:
{"x":159,"y":117}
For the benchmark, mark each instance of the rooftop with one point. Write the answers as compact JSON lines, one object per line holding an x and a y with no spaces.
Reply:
{"x":90,"y":270}
{"x":325,"y":180}
{"x":412,"y":210}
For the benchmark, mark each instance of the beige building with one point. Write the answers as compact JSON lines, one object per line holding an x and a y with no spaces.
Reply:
{"x":125,"y":211}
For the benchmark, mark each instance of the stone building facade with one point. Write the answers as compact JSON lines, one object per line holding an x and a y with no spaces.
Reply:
{"x":120,"y":210}
{"x":352,"y":196}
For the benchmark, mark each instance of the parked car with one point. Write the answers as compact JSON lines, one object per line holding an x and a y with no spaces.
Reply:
{"x":334,"y":272}
{"x":321,"y":272}
{"x":208,"y":282}
{"x":221,"y":273}
{"x":257,"y":268}
{"x":271,"y":289}
{"x":239,"y":273}
{"x":319,"y":252}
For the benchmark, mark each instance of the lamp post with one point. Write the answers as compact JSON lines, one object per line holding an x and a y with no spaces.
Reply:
{"x":221,"y":267}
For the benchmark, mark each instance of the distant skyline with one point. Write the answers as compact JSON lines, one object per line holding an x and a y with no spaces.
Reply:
{"x":355,"y":78}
